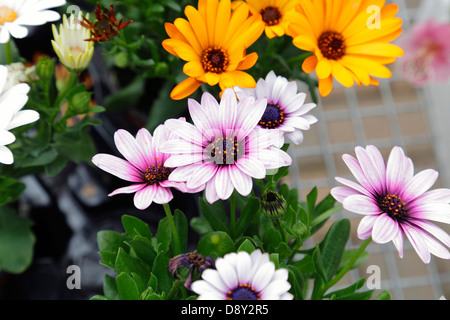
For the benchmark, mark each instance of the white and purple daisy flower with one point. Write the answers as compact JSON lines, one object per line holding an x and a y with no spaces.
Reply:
{"x":286,"y":109}
{"x":222,"y":149}
{"x":243,"y":276}
{"x":143,"y":165}
{"x":395,"y":202}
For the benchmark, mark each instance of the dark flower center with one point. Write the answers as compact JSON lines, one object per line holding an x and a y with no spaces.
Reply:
{"x":332,"y":45}
{"x":393,"y":206}
{"x":271,"y":15}
{"x":243,"y":292}
{"x":272,"y":204}
{"x":224,"y":151}
{"x":214,"y":60}
{"x":156,"y":173}
{"x":273,"y":116}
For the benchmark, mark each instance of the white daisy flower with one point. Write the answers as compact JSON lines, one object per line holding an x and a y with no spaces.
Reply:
{"x":11,"y":114}
{"x":243,"y":276}
{"x":286,"y":109}
{"x":15,"y":14}
{"x":70,"y":45}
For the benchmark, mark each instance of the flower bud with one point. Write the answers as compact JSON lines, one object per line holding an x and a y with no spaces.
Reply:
{"x":273,"y":204}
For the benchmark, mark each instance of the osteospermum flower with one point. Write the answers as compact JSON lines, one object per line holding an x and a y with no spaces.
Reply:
{"x":286,"y":110}
{"x":15,"y":14}
{"x":195,"y":263}
{"x":395,"y":202}
{"x":273,"y":13}
{"x":427,"y":53}
{"x":223,"y":149}
{"x":143,"y":165}
{"x":213,"y":42}
{"x":11,"y":114}
{"x":243,"y":276}
{"x":70,"y":45}
{"x":105,"y":26}
{"x":347,"y":43}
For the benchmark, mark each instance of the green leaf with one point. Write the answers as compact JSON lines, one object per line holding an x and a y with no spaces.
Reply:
{"x":161,"y":272}
{"x":348,"y":255}
{"x":339,"y":294}
{"x":383,"y":295}
{"x":16,"y":241}
{"x":247,"y":246}
{"x":10,"y":190}
{"x":311,"y":199}
{"x":126,"y":287}
{"x":333,"y":245}
{"x":126,"y":263}
{"x":110,"y":288}
{"x":297,"y":280}
{"x":319,"y":265}
{"x":215,"y":244}
{"x":127,"y":97}
{"x":201,"y":225}
{"x":142,"y":249}
{"x":249,"y":213}
{"x":181,"y":225}
{"x":215,"y":214}
{"x":134,"y":226}
{"x":163,"y":235}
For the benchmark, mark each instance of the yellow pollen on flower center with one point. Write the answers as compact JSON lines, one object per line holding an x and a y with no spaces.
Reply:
{"x":7,"y":15}
{"x":214,"y":59}
{"x":76,"y":50}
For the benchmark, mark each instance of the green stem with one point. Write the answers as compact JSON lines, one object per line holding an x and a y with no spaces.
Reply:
{"x":232,"y":214}
{"x":283,"y":234}
{"x":347,"y":267}
{"x":8,"y":53}
{"x":62,"y":95}
{"x":176,"y":237}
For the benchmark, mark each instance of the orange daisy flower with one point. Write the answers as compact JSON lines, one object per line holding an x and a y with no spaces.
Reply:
{"x":349,"y":40}
{"x":213,"y":42}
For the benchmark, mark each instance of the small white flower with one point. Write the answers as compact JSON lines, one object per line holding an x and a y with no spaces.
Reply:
{"x":70,"y":45}
{"x":19,"y":73}
{"x":15,"y":14}
{"x":243,"y":276}
{"x":11,"y":114}
{"x":286,"y":109}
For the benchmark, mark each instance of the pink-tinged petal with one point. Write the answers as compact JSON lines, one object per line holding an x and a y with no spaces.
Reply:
{"x":399,"y":170}
{"x":180,"y":160}
{"x":304,"y":109}
{"x":419,"y":184}
{"x":277,"y":88}
{"x":202,"y":174}
{"x":252,"y":167}
{"x":127,"y":190}
{"x":384,"y":229}
{"x":180,"y":146}
{"x":294,"y":103}
{"x":144,"y":140}
{"x":128,"y":147}
{"x":242,"y":182}
{"x":161,"y":135}
{"x":210,"y":191}
{"x":117,"y":167}
{"x":370,"y":170}
{"x":434,"y":246}
{"x":353,"y":185}
{"x":434,"y":230}
{"x":340,"y":193}
{"x":228,"y":110}
{"x":357,"y":172}
{"x":250,"y":113}
{"x":417,"y":242}
{"x":361,"y":204}
{"x":185,"y":131}
{"x":274,"y":158}
{"x":162,"y":195}
{"x":262,"y":90}
{"x":201,"y":114}
{"x":365,"y":227}
{"x":181,"y":186}
{"x":224,"y":187}
{"x":378,"y":163}
{"x":183,"y":173}
{"x":144,"y":197}
{"x":435,"y":211}
{"x":263,"y":138}
{"x":437,"y":195}
{"x":398,"y":241}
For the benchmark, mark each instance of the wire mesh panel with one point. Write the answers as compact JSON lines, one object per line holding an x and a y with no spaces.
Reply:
{"x":392,"y":114}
